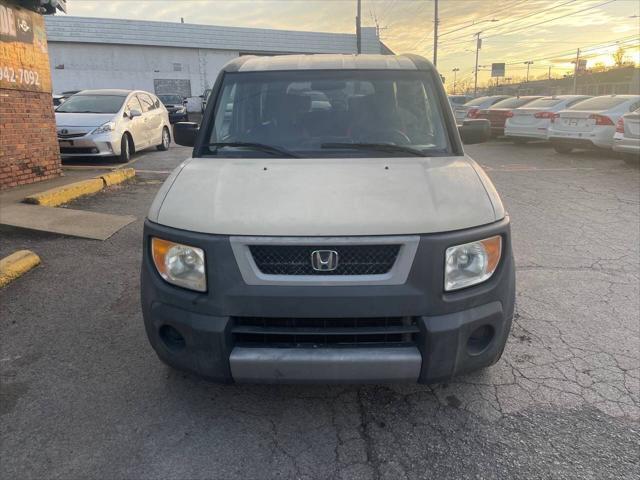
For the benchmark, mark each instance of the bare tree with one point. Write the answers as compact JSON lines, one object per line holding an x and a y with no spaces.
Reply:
{"x":618,"y":57}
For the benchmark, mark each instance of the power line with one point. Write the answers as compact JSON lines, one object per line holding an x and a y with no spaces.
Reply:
{"x":622,"y":39}
{"x":523,"y":17}
{"x":550,"y":20}
{"x":606,"y":43}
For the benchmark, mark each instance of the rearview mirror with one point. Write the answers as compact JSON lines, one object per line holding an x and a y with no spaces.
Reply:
{"x":134,"y":113}
{"x":184,"y":133}
{"x":475,"y":131}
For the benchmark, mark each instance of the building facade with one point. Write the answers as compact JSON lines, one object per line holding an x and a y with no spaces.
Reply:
{"x":28,"y":144}
{"x":164,"y":57}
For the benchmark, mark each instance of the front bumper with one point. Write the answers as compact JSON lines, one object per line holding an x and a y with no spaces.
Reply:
{"x":101,"y":145}
{"x":440,"y":351}
{"x":178,"y":117}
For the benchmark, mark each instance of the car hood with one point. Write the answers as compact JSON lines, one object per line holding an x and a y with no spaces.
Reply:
{"x":82,"y":119}
{"x":327,"y":197}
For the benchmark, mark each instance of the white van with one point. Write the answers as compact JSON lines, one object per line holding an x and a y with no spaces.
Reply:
{"x":350,"y":240}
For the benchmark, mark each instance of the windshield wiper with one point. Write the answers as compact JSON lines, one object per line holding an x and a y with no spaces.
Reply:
{"x":382,"y":147}
{"x":256,"y":146}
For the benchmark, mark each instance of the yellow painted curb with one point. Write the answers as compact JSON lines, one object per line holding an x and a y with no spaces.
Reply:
{"x":117,"y":176}
{"x":58,"y":196}
{"x":66,"y":193}
{"x":16,"y":265}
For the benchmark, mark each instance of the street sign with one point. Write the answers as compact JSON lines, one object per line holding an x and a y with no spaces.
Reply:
{"x":497,"y":69}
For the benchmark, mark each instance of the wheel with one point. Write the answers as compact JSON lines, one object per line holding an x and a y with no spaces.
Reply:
{"x":166,"y":139}
{"x":561,"y":147}
{"x":125,"y":148}
{"x":520,"y":141}
{"x":631,"y":159}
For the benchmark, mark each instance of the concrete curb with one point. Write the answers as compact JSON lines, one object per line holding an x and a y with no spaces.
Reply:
{"x":16,"y":265}
{"x":65,"y":194}
{"x":117,"y":176}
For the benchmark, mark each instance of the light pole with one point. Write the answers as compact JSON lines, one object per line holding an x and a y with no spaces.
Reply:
{"x":358,"y":26}
{"x":475,"y":80}
{"x":435,"y":34}
{"x":455,"y":71}
{"x":528,"y":63}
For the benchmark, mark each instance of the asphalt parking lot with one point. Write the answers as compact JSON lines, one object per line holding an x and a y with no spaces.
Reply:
{"x":84,"y":396}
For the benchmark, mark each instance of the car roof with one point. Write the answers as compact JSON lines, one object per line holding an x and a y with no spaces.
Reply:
{"x":251,"y":63}
{"x":106,"y":91}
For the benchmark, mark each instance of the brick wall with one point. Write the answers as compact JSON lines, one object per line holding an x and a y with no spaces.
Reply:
{"x":28,"y":144}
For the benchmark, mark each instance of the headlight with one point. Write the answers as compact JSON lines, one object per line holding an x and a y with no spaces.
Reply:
{"x":471,"y":263}
{"x":181,"y":110}
{"x":107,"y":127}
{"x":179,"y":264}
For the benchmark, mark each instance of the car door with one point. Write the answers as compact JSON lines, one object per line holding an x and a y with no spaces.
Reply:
{"x":152,"y":120}
{"x":135,"y":125}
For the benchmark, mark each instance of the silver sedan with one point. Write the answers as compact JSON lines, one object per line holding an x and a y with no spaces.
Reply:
{"x":111,"y":123}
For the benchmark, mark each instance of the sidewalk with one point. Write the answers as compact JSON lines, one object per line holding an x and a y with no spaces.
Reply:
{"x":65,"y":221}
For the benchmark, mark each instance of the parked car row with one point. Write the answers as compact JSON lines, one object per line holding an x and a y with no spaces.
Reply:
{"x":567,"y":121}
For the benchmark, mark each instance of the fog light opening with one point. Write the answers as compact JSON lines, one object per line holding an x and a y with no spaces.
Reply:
{"x":171,"y":338}
{"x":480,"y":339}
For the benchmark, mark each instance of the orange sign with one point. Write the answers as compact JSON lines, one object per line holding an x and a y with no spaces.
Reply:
{"x":24,"y":59}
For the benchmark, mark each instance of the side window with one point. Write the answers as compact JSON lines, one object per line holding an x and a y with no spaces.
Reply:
{"x":133,"y":104}
{"x":147,"y":103}
{"x":156,"y":102}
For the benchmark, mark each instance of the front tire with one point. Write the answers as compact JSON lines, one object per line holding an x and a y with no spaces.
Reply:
{"x":561,"y":147}
{"x":125,"y":149}
{"x":166,"y":140}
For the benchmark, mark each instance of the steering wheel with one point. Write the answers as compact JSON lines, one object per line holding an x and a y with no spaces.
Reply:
{"x":394,"y":136}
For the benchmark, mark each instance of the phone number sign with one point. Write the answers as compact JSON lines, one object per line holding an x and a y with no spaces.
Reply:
{"x":24,"y":59}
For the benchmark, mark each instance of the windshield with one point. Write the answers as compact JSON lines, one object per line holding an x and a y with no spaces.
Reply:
{"x":476,"y":101}
{"x":92,"y":104}
{"x":544,"y":102}
{"x":319,"y":113}
{"x":599,"y":103}
{"x":170,"y":99}
{"x":514,"y":102}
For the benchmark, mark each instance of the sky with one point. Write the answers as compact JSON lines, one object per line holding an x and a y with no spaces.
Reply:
{"x":513,"y":31}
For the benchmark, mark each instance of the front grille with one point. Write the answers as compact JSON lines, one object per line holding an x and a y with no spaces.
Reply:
{"x":78,"y":150}
{"x":71,"y":135}
{"x":327,"y":332}
{"x":352,"y":259}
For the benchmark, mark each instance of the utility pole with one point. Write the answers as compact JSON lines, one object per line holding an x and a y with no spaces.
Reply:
{"x":475,"y":81}
{"x":549,"y":72}
{"x":575,"y":73}
{"x":528,"y":64}
{"x":435,"y":34}
{"x":359,"y":27}
{"x":455,"y":71}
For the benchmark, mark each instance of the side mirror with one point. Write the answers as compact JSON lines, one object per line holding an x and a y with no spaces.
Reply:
{"x":134,"y":113}
{"x":475,"y":131}
{"x":184,"y":133}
